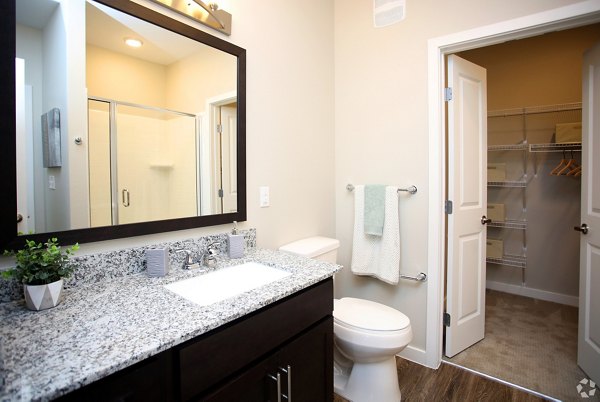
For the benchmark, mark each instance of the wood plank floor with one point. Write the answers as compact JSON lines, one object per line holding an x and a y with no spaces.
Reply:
{"x":450,"y":383}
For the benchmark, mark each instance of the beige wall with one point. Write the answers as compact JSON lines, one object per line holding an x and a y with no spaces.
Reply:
{"x":205,"y":74}
{"x":543,"y":70}
{"x":381,"y":127}
{"x":123,"y":78}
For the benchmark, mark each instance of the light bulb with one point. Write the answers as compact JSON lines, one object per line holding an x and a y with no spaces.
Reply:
{"x":133,"y":42}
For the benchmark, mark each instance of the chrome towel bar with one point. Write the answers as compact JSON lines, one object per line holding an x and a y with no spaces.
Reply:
{"x":421,"y":277}
{"x":410,"y":189}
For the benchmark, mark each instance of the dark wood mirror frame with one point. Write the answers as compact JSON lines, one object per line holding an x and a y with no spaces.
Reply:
{"x":8,"y":200}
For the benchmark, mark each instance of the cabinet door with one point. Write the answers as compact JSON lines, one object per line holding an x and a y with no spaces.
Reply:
{"x":304,"y":365}
{"x":256,"y":384}
{"x":309,"y":362}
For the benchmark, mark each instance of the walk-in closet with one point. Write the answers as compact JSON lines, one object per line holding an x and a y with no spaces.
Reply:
{"x":534,"y":98}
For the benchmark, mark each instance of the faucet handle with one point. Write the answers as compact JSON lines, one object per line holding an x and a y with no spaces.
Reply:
{"x":188,"y":255}
{"x":211,"y":248}
{"x":188,"y":262}
{"x":209,"y":259}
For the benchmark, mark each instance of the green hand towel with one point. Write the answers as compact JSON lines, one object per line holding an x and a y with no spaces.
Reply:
{"x":374,"y":209}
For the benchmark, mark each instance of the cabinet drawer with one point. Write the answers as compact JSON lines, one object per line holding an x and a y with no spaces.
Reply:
{"x":210,"y":359}
{"x":147,"y":381}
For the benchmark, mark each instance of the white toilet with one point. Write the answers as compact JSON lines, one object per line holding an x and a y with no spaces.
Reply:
{"x":367,"y":336}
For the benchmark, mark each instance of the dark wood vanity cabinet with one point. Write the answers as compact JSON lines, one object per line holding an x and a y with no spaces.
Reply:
{"x":240,"y":361}
{"x":242,"y":357}
{"x":297,"y":371}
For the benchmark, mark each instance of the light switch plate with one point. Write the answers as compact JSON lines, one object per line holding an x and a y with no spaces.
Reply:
{"x":51,"y":182}
{"x":264,"y":196}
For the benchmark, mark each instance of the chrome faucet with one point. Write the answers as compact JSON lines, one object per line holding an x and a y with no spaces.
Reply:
{"x":208,"y":258}
{"x":188,"y":261}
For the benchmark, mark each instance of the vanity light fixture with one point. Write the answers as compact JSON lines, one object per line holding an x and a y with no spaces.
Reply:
{"x":132,"y":42}
{"x":208,"y":14}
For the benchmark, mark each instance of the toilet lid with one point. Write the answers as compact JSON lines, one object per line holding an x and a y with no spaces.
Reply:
{"x":367,"y":314}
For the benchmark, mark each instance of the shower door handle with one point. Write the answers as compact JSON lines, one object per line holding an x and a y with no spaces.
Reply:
{"x":125,"y":196}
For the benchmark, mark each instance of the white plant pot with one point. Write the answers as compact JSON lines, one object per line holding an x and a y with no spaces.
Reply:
{"x":42,"y":297}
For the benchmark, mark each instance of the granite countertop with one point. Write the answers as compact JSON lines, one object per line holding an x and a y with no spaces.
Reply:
{"x":102,"y":328}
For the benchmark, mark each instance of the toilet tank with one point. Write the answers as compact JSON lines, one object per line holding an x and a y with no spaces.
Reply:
{"x":318,"y":248}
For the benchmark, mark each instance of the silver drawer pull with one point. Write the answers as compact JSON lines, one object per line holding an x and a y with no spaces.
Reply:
{"x":288,"y":371}
{"x":278,"y":381}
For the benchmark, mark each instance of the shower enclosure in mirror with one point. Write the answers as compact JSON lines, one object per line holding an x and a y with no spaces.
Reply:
{"x":153,"y":133}
{"x":143,"y":164}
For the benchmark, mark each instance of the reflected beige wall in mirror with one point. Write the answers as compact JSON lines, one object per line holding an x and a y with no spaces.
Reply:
{"x":147,"y":133}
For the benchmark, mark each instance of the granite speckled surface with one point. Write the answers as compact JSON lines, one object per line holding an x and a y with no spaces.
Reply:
{"x":107,"y":325}
{"x":120,"y":263}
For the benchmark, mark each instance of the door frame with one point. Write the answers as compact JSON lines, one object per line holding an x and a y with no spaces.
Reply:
{"x":572,"y":16}
{"x":208,"y":144}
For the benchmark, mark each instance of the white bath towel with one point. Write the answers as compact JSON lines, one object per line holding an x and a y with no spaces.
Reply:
{"x":377,"y":256}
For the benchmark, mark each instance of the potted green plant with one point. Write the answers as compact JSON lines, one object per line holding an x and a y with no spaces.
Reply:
{"x":41,"y":267}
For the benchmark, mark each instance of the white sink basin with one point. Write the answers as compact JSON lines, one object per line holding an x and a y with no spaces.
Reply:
{"x":226,"y":282}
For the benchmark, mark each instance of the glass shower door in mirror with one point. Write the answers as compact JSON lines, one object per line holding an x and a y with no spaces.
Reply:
{"x":151,"y":158}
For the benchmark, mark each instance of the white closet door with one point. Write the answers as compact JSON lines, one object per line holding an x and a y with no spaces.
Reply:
{"x":588,"y":354}
{"x":467,"y":189}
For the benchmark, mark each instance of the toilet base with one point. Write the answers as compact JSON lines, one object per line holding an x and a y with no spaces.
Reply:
{"x":369,"y":382}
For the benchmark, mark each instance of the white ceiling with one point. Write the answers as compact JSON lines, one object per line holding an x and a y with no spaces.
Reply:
{"x":107,"y":28}
{"x":35,"y":13}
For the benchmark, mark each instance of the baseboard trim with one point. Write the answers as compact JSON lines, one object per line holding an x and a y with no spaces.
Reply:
{"x":533,"y":293}
{"x":415,"y":355}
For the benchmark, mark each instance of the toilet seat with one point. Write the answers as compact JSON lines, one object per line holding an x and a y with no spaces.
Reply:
{"x":369,"y":316}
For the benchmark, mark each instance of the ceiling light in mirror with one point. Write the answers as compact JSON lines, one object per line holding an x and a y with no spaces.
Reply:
{"x":132,"y":42}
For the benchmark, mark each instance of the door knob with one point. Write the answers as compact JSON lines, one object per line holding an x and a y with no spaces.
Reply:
{"x":19,"y":218}
{"x":485,"y":219}
{"x":583,"y":228}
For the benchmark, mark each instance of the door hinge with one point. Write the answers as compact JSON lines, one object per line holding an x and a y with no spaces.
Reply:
{"x":220,"y":128}
{"x":447,"y":94}
{"x":221,"y":193}
{"x":446,"y":319}
{"x":448,"y":207}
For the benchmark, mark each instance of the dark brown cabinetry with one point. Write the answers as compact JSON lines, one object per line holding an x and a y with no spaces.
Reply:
{"x":297,"y":371}
{"x":240,"y":361}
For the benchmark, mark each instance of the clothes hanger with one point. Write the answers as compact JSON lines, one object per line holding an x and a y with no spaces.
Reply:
{"x":558,"y":167}
{"x":575,"y":171}
{"x":571,"y":164}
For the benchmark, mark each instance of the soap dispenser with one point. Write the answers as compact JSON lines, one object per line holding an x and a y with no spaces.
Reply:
{"x":235,"y":243}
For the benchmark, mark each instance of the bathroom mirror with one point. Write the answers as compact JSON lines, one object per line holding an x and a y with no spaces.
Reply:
{"x":115,"y":141}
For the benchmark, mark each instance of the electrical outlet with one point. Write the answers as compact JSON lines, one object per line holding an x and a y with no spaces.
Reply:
{"x":264,"y":197}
